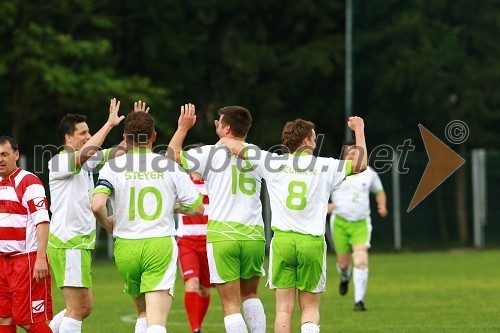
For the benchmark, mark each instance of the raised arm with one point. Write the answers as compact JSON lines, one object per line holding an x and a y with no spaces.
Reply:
{"x":95,"y":142}
{"x":121,"y":149}
{"x":360,"y":155}
{"x":187,"y":119}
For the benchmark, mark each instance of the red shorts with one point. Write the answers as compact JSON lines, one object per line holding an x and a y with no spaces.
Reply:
{"x":193,"y":258}
{"x":21,"y":297}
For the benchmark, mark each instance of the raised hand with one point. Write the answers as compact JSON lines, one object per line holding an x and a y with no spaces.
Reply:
{"x":356,"y":123}
{"x":187,"y":119}
{"x":114,"y":119}
{"x":140,"y":107}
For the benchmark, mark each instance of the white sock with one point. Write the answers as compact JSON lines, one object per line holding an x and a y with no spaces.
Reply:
{"x":55,"y":323}
{"x":141,"y":325}
{"x":309,"y":328}
{"x":345,"y":274}
{"x":255,"y":317}
{"x":70,"y":325}
{"x":156,"y":329}
{"x":235,"y":324}
{"x":360,"y":278}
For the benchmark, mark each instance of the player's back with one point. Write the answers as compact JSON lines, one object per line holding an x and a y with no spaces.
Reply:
{"x":145,"y":188}
{"x":235,"y":209}
{"x":299,"y":187}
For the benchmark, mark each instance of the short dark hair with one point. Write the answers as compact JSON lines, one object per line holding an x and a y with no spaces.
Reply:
{"x":13,"y":143}
{"x":238,"y":117}
{"x":295,"y":132}
{"x":68,"y":125}
{"x":346,"y":147}
{"x":139,"y":127}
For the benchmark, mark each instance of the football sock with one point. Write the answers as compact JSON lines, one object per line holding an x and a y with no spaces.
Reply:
{"x":255,"y":316}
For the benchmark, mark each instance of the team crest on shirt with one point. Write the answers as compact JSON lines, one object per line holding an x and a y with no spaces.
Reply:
{"x":38,"y":306}
{"x":40,"y":203}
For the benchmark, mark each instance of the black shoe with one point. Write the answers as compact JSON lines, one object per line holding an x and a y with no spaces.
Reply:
{"x":360,"y":306}
{"x":343,"y":287}
{"x":197,"y":331}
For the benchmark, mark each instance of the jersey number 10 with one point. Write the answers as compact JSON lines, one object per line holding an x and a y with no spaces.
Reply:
{"x":136,"y":204}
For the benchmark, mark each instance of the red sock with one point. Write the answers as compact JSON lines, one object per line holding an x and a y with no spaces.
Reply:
{"x":7,"y":328}
{"x":205,"y":301}
{"x":192,"y":302}
{"x":39,"y":328}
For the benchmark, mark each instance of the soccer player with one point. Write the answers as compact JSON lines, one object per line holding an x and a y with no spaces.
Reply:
{"x":193,"y":261}
{"x":351,"y":226}
{"x":25,"y":298}
{"x":143,"y":188}
{"x":235,"y":232}
{"x":299,"y":186}
{"x":73,"y":227}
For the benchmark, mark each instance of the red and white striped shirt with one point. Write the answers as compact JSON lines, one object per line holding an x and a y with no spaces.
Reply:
{"x":23,"y":205}
{"x":195,"y":225}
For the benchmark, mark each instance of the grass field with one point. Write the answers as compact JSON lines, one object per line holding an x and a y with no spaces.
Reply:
{"x":408,"y":292}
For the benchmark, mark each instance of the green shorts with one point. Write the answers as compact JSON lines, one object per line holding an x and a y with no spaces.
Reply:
{"x":346,"y":233}
{"x":71,"y":267}
{"x":232,"y":260}
{"x":297,"y":260}
{"x":146,"y":264}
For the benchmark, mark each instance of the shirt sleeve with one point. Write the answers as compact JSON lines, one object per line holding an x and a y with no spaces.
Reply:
{"x":34,"y":199}
{"x":97,"y":161}
{"x":196,"y":159}
{"x":105,"y":183}
{"x":262,"y":162}
{"x":376,"y":184}
{"x":341,"y":169}
{"x":188,"y":196}
{"x":63,"y":165}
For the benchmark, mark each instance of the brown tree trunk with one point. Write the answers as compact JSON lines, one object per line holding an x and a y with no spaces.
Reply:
{"x":461,"y":199}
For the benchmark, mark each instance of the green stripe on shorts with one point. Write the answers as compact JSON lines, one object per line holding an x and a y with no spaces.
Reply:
{"x":71,"y":267}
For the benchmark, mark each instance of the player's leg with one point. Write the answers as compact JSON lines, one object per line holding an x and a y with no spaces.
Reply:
{"x":285,"y":304}
{"x":283,"y":277}
{"x":311,"y":279}
{"x":72,"y":272}
{"x":252,"y":268}
{"x":205,"y":284}
{"x":31,"y":300}
{"x":6,"y":321}
{"x":224,"y":264}
{"x":159,"y":265}
{"x":361,"y":242}
{"x":190,"y":268}
{"x":158,"y":304}
{"x":309,"y":305}
{"x":127,"y":255}
{"x":340,"y":235}
{"x":141,"y":324}
{"x":7,"y":324}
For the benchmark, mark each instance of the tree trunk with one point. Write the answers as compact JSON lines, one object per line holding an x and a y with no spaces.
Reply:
{"x":461,"y":199}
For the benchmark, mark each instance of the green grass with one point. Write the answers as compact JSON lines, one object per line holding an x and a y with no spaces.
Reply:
{"x":408,"y":292}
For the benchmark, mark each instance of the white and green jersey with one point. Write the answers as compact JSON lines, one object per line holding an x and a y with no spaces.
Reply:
{"x":299,"y":187}
{"x":72,"y":224}
{"x":143,"y":188}
{"x":235,"y":211}
{"x":352,"y":199}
